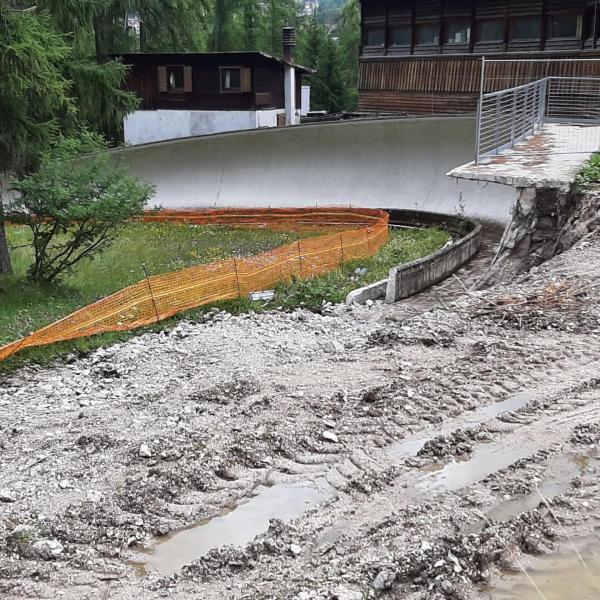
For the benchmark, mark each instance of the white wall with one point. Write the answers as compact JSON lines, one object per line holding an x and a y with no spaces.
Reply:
{"x":267,"y":118}
{"x":144,"y":126}
{"x":399,"y":163}
{"x":305,"y":100}
{"x":292,"y":112}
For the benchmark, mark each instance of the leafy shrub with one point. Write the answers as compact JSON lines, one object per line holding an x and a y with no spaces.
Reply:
{"x":75,"y":204}
{"x":590,"y":172}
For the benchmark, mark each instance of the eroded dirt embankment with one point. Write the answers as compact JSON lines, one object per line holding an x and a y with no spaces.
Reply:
{"x":101,"y":455}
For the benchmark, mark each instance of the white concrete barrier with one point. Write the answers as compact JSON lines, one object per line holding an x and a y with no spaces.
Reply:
{"x":144,"y":126}
{"x":400,"y":163}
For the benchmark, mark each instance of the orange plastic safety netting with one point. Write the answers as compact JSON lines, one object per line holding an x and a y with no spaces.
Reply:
{"x":352,"y":234}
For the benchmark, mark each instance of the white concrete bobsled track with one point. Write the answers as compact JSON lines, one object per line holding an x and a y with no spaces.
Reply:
{"x":399,"y":163}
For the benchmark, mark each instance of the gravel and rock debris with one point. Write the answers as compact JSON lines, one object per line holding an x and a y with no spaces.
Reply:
{"x":103,"y":456}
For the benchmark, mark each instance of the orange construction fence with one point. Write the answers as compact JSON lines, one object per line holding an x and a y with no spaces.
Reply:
{"x":352,"y":234}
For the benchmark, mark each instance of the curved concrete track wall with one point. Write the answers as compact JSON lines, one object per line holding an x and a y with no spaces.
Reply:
{"x":400,"y":163}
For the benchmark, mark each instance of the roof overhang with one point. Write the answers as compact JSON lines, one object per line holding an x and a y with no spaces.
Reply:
{"x":131,"y":57}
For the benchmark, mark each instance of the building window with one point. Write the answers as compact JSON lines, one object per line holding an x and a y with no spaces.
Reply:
{"x":375,"y":36}
{"x":400,"y":35}
{"x":175,"y":78}
{"x":525,"y":28}
{"x":427,"y":34}
{"x":231,"y":79}
{"x":457,"y":32}
{"x":490,"y":30}
{"x":235,"y":80}
{"x":564,"y":26}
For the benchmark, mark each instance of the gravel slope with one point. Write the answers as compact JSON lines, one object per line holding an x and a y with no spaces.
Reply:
{"x":100,"y":455}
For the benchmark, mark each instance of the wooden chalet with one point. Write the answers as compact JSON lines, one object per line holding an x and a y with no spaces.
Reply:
{"x":424,"y":56}
{"x":201,"y":93}
{"x":209,"y":80}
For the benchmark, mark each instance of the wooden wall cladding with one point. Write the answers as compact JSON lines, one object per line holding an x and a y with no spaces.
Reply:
{"x":414,"y":103}
{"x":428,"y":9}
{"x":262,"y":80}
{"x":422,"y":85}
{"x":420,"y":74}
{"x":490,"y":9}
{"x":524,"y":7}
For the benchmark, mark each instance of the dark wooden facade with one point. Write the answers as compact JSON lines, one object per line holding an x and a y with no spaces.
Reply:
{"x":424,"y":56}
{"x":197,"y":81}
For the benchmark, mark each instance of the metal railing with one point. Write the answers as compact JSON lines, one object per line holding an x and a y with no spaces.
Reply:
{"x":507,"y":117}
{"x":573,"y":100}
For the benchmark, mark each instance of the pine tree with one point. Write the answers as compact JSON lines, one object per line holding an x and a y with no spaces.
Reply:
{"x":330,"y":83}
{"x":251,"y":17}
{"x":96,"y":30}
{"x":349,"y":43}
{"x":318,"y":51}
{"x":311,"y":39}
{"x":5,"y":264}
{"x":34,"y":95}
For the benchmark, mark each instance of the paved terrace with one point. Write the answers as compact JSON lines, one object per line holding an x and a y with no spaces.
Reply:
{"x":550,"y":158}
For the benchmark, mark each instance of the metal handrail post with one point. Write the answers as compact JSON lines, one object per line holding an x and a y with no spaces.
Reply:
{"x":533,"y":111}
{"x":514,"y":120}
{"x":497,"y":132}
{"x":544,"y":96}
{"x":526,"y":117}
{"x":479,"y":112}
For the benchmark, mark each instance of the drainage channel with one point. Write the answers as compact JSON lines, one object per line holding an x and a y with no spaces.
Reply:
{"x":235,"y":525}
{"x":411,"y":446}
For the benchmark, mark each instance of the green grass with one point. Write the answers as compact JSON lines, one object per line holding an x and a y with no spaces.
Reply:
{"x":405,"y":245}
{"x":589,"y":175}
{"x":164,"y":247}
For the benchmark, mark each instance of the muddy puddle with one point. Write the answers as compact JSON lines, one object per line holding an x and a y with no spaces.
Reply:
{"x":557,"y":480}
{"x":410,"y":446}
{"x":236,"y":525}
{"x":467,"y":470}
{"x":558,"y":576}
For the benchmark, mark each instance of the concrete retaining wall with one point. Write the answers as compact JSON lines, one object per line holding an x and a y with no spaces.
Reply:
{"x":144,"y":126}
{"x":407,"y":280}
{"x":399,"y":163}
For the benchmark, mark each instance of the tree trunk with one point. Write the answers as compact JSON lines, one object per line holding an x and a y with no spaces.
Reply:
{"x":5,"y":266}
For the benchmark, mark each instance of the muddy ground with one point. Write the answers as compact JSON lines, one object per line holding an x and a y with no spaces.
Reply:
{"x":428,"y":434}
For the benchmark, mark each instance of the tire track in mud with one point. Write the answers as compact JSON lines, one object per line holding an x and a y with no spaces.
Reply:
{"x":359,"y":473}
{"x":539,"y":431}
{"x":548,"y":434}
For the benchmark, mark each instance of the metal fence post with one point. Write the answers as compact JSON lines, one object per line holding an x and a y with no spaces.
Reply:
{"x":514,"y":120}
{"x":479,"y":112}
{"x":147,"y":277}
{"x":526,"y":117}
{"x":544,"y":96}
{"x":497,"y":132}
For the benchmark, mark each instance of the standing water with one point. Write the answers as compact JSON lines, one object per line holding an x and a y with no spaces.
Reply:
{"x":560,"y":576}
{"x":235,"y":526}
{"x":411,"y":446}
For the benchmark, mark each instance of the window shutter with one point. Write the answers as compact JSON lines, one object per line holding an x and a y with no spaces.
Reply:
{"x":187,"y":79}
{"x":245,"y":79}
{"x":162,"y":79}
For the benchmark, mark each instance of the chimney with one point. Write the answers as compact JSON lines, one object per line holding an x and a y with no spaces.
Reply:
{"x":292,"y":114}
{"x":289,"y":43}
